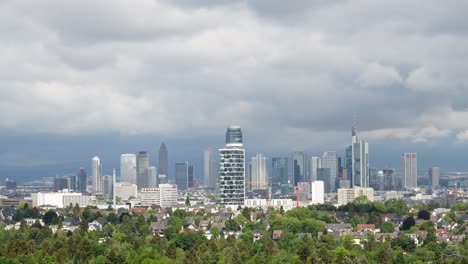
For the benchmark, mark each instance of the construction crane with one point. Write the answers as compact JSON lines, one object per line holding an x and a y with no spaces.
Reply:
{"x":298,"y":188}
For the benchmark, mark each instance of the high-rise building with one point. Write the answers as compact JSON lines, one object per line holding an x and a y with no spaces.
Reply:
{"x":318,"y":188}
{"x":409,"y":163}
{"x":330,"y":161}
{"x":165,"y":196}
{"x":279,"y":174}
{"x":259,"y":174}
{"x":163,"y":161}
{"x":232,"y":168}
{"x":434,"y":176}
{"x":190,"y":176}
{"x":299,"y":167}
{"x":315,"y":163}
{"x":81,"y":180}
{"x":71,"y":182}
{"x":153,"y":177}
{"x":128,"y":168}
{"x":346,"y":196}
{"x":97,"y":174}
{"x":182,"y":175}
{"x":107,"y":182}
{"x":60,"y":184}
{"x":323,"y":174}
{"x":390,"y":180}
{"x":209,"y":169}
{"x":142,"y":166}
{"x":359,"y":161}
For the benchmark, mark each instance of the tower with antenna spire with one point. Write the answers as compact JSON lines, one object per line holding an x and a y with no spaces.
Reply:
{"x":357,"y":159}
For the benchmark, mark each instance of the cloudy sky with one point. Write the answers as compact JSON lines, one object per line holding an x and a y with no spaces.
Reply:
{"x":84,"y":78}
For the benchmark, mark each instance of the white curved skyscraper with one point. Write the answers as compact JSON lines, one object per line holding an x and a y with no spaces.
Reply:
{"x":97,"y":174}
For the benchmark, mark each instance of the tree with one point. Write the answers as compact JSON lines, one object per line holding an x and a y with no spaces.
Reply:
{"x":50,"y":217}
{"x":408,"y":223}
{"x":187,"y":201}
{"x":424,"y":214}
{"x":232,"y":225}
{"x":387,"y":227}
{"x":385,"y":254}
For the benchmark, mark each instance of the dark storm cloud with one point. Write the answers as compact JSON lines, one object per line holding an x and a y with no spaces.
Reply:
{"x":287,"y":72}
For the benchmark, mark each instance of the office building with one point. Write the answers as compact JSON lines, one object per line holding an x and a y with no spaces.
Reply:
{"x":232,"y":168}
{"x":279,"y":175}
{"x":299,"y":167}
{"x":190,"y":176}
{"x":142,"y":166}
{"x":259,"y":173}
{"x":60,"y":184}
{"x":409,"y":163}
{"x":164,"y":196}
{"x":359,"y":161}
{"x":390,"y":180}
{"x":125,"y":190}
{"x":128,"y":168}
{"x":434,"y":177}
{"x":323,"y":174}
{"x":330,"y":161}
{"x":61,"y":199}
{"x":210,"y":168}
{"x":81,"y":180}
{"x":182,"y":175}
{"x":163,"y":160}
{"x":318,"y":192}
{"x":107,"y":188}
{"x":315,"y":163}
{"x":152,"y":177}
{"x":346,"y":196}
{"x":97,"y":174}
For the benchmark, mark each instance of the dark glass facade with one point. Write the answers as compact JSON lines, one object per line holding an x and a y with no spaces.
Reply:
{"x":233,"y":135}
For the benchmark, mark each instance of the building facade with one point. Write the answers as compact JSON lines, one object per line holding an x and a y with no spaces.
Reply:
{"x":142,"y":166}
{"x":409,"y":164}
{"x":434,"y":177}
{"x":318,"y":192}
{"x":346,"y":196}
{"x":182,"y":175}
{"x":97,"y":174}
{"x":299,"y":167}
{"x":279,"y":175}
{"x":163,"y":160}
{"x":259,"y":173}
{"x":315,"y":163}
{"x":330,"y":161}
{"x":359,"y":161}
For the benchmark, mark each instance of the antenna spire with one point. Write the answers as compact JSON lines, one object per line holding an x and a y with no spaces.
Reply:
{"x":353,"y":129}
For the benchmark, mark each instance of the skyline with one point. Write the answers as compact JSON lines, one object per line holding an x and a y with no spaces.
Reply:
{"x":290,"y":74}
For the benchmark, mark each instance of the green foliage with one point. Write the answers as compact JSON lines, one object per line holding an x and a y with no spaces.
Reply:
{"x":387,"y":227}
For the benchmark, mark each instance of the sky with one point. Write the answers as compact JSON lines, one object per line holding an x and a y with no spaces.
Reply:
{"x":85,"y":78}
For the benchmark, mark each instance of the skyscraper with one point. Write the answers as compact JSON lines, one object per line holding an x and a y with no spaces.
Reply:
{"x":298,"y":167}
{"x":182,"y":175}
{"x":359,"y":161}
{"x":315,"y":163}
{"x":82,"y":179}
{"x":97,"y":174}
{"x":209,"y":169}
{"x":142,"y":166}
{"x":259,"y":175}
{"x":190,"y":176}
{"x":279,"y":174}
{"x":152,"y":177}
{"x":163,"y":161}
{"x":128,"y":168}
{"x":409,"y":164}
{"x":434,"y":176}
{"x":330,"y":161}
{"x":232,"y":168}
{"x":323,"y":175}
{"x":107,"y":183}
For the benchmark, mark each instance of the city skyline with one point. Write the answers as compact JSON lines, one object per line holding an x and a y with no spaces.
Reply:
{"x":293,"y":76}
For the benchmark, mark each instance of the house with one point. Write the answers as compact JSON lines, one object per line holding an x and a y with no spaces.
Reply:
{"x":340,"y":228}
{"x":366,"y":227}
{"x":303,"y":235}
{"x":70,"y":224}
{"x":203,"y":225}
{"x":382,"y":237}
{"x":257,"y":234}
{"x":158,"y":228}
{"x":7,"y":213}
{"x":94,"y":226}
{"x":277,"y":234}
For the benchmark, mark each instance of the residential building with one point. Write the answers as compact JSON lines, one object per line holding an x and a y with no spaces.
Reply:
{"x":346,"y":196}
{"x":232,"y":168}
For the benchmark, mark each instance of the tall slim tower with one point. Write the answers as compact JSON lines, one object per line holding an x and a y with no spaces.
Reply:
{"x":279,"y":174}
{"x":232,"y":168}
{"x":182,"y":175}
{"x":142,"y":170}
{"x":128,"y":168}
{"x":163,"y":160}
{"x":358,"y":154}
{"x":97,"y":174}
{"x":409,"y":164}
{"x":209,"y":169}
{"x":434,"y":177}
{"x":259,"y":173}
{"x":330,"y":161}
{"x":82,"y":178}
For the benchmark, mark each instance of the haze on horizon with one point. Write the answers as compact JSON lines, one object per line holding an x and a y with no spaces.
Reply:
{"x":85,"y":78}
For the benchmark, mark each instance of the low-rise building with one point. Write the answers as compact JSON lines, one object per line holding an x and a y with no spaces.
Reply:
{"x":346,"y":196}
